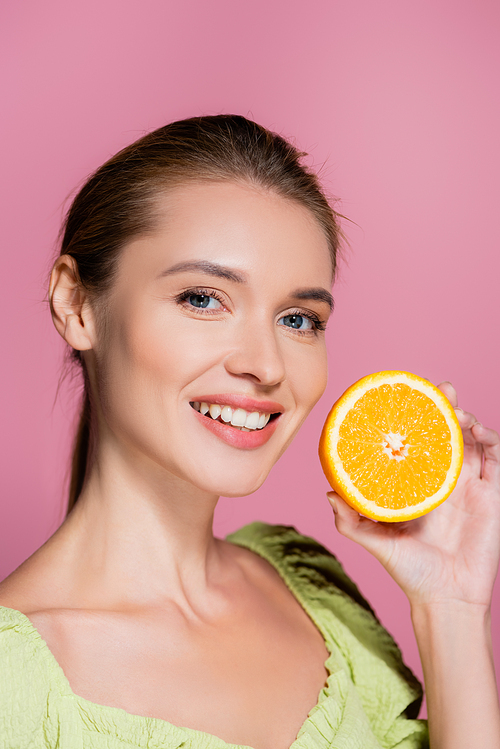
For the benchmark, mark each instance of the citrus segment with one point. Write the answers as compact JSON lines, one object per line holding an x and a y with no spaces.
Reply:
{"x":392,"y":446}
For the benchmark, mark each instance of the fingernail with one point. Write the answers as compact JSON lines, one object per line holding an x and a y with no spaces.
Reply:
{"x":477,"y":424}
{"x":333,"y":504}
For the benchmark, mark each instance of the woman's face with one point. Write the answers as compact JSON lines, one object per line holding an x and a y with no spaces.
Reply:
{"x":223,"y":305}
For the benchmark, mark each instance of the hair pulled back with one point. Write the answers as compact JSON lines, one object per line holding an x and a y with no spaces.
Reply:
{"x":118,"y":203}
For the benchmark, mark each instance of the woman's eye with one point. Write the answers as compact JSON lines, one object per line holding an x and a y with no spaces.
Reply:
{"x":203,"y":301}
{"x":298,"y":322}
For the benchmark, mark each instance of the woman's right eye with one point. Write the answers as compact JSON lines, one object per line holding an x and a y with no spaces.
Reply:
{"x":203,"y":301}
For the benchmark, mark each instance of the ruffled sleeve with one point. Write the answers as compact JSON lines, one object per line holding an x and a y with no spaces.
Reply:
{"x":372,"y":699}
{"x":33,"y":706}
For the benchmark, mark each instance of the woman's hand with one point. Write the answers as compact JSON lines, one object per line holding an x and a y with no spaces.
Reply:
{"x":452,"y":553}
{"x":446,"y":563}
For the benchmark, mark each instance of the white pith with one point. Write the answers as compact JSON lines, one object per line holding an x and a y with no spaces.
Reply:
{"x":246,"y":421}
{"x":394,"y":446}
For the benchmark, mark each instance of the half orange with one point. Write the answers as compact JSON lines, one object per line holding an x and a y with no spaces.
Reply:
{"x":392,"y":446}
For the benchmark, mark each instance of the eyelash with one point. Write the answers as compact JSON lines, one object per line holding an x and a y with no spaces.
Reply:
{"x":199,"y":291}
{"x":319,"y":325}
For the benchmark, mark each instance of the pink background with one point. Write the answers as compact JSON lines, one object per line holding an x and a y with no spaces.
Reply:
{"x":398,"y":104}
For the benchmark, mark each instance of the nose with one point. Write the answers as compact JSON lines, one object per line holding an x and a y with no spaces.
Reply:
{"x":257,"y":355}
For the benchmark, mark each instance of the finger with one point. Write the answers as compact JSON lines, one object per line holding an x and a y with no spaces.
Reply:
{"x":473,"y":450}
{"x":450,"y":392}
{"x":490,"y":443}
{"x":465,"y":419}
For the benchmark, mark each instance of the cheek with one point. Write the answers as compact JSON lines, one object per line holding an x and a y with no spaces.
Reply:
{"x":143,"y":368}
{"x":307,"y":375}
{"x":162,"y":352}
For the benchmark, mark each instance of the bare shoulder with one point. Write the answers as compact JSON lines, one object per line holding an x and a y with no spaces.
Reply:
{"x":27,"y":588}
{"x":14,"y":592}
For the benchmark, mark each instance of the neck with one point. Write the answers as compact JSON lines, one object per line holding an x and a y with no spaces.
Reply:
{"x":138,"y":535}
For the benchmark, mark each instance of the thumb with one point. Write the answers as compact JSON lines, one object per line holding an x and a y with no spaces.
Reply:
{"x":338,"y":504}
{"x":374,"y":537}
{"x":347,"y":519}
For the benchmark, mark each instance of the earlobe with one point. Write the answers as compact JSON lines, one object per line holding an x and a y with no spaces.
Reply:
{"x":69,"y":304}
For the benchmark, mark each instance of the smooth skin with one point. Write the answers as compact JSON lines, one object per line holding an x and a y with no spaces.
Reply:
{"x":192,"y":629}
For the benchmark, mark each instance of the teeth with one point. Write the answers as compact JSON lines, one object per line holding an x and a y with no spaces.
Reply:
{"x":226,"y":414}
{"x":214,"y":410}
{"x":252,"y":420}
{"x":238,"y":417}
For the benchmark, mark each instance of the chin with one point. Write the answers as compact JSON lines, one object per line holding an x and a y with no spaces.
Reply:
{"x":230,"y":483}
{"x":234,"y":489}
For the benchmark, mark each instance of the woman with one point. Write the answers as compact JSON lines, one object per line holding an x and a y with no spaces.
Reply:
{"x":193,"y":286}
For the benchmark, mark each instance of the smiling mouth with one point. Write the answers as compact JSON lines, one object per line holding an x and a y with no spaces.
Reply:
{"x":245,"y":421}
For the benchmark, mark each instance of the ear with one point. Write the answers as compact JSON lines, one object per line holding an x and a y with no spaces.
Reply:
{"x":70,"y":306}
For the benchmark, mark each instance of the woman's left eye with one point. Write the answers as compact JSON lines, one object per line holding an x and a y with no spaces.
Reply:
{"x":298,"y":322}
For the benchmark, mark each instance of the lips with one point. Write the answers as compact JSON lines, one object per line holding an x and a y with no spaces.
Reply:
{"x":241,"y":401}
{"x":238,"y":420}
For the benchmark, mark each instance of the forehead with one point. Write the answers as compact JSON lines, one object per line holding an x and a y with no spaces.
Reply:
{"x":237,"y":225}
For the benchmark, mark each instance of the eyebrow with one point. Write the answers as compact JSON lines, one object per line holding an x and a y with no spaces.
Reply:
{"x":209,"y":269}
{"x":317,"y":295}
{"x":229,"y":274}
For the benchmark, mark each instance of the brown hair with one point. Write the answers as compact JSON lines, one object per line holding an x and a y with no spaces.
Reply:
{"x":117,"y":203}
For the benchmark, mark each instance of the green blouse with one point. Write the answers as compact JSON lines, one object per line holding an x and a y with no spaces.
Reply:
{"x":371,"y":699}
